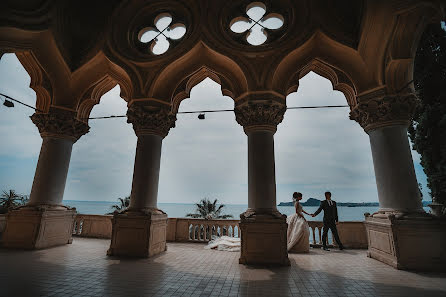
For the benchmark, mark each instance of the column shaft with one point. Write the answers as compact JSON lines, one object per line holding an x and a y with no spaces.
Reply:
{"x":146,"y":172}
{"x":394,"y":170}
{"x":261,"y":171}
{"x":51,"y":171}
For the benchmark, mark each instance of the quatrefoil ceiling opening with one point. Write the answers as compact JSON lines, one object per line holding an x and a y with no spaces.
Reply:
{"x":158,"y":37}
{"x":256,"y":23}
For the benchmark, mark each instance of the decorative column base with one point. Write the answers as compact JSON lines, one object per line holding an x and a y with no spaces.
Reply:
{"x":263,"y":238}
{"x":138,"y":234}
{"x":408,"y":243}
{"x":38,"y":227}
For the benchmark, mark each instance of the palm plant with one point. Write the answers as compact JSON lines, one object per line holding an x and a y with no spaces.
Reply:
{"x":122,"y":206}
{"x":10,"y":199}
{"x":208,"y":210}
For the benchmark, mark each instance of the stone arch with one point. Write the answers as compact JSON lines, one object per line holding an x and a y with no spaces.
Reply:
{"x":342,"y":65}
{"x":51,"y":78}
{"x":21,"y":43}
{"x":339,"y":80}
{"x":410,"y":26}
{"x":185,"y":86}
{"x":40,"y":82}
{"x":110,"y":75}
{"x":174,"y":83}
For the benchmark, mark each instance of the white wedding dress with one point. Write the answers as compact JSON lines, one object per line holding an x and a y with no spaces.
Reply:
{"x":224,"y":243}
{"x":298,"y":233}
{"x":298,"y":236}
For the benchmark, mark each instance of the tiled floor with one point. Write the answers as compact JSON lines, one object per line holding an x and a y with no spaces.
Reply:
{"x":83,"y":269}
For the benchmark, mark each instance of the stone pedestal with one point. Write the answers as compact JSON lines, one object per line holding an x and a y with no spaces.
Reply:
{"x":138,"y":234}
{"x":38,"y":227}
{"x":412,"y":243}
{"x":263,"y":239}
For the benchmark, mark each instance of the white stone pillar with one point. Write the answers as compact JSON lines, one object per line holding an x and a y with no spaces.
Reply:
{"x":51,"y":172}
{"x":385,"y":120}
{"x":59,"y":130}
{"x":394,"y":170}
{"x":151,"y":125}
{"x":260,"y":120}
{"x":261,"y":171}
{"x":146,"y":172}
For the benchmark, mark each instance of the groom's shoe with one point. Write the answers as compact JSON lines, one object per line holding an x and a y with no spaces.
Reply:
{"x":325,"y":248}
{"x":341,"y":248}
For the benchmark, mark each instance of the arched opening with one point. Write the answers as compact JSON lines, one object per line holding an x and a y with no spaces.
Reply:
{"x":320,"y":150}
{"x":204,"y":158}
{"x":102,"y":160}
{"x":20,"y":140}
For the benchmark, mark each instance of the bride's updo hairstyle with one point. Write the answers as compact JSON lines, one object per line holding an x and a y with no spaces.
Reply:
{"x":296,"y":196}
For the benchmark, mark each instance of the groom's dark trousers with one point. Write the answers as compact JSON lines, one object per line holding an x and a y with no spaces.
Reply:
{"x":330,"y":219}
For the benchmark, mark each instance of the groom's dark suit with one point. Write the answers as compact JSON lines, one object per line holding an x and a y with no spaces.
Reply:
{"x":330,"y":220}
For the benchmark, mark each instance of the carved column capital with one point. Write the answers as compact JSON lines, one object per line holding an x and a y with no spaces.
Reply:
{"x":150,"y":120}
{"x":59,"y":123}
{"x":264,"y":115}
{"x":386,"y":111}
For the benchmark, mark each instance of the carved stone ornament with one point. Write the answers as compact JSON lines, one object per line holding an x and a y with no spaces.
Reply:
{"x":150,"y":121}
{"x":387,"y":111}
{"x":60,"y":124}
{"x":260,"y":115}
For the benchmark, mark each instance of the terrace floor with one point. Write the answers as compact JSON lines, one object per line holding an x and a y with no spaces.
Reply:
{"x":186,"y":269}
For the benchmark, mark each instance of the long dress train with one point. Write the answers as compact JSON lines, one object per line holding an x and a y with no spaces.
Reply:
{"x":298,"y":233}
{"x":298,"y":236}
{"x":224,"y":243}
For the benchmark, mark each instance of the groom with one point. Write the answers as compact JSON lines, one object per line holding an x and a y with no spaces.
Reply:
{"x":330,"y":220}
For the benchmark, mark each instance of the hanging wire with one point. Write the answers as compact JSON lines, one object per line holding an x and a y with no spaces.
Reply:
{"x":181,"y":112}
{"x":18,"y":101}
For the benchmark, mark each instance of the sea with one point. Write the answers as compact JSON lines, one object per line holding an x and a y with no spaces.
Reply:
{"x":180,"y":210}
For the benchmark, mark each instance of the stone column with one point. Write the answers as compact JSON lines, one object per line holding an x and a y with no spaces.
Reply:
{"x":141,"y":230}
{"x":385,"y":120}
{"x":400,"y":234}
{"x":263,"y":228}
{"x":44,"y":219}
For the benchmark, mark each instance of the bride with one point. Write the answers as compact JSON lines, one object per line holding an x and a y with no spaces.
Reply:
{"x":298,"y":234}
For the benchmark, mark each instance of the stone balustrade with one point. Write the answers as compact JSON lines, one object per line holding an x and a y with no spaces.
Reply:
{"x":97,"y":226}
{"x":200,"y":230}
{"x":352,"y":234}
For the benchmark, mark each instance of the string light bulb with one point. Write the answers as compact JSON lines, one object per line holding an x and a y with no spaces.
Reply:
{"x":8,"y":103}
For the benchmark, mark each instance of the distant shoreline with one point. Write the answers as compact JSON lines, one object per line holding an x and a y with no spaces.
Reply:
{"x":339,"y":204}
{"x":317,"y":202}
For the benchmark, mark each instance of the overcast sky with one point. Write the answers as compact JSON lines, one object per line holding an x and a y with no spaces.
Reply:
{"x":316,"y":150}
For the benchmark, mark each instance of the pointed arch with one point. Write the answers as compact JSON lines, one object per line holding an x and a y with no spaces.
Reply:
{"x":339,"y":63}
{"x":40,"y":82}
{"x":339,"y":80}
{"x":185,"y":86}
{"x":174,"y":83}
{"x":52,"y":79}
